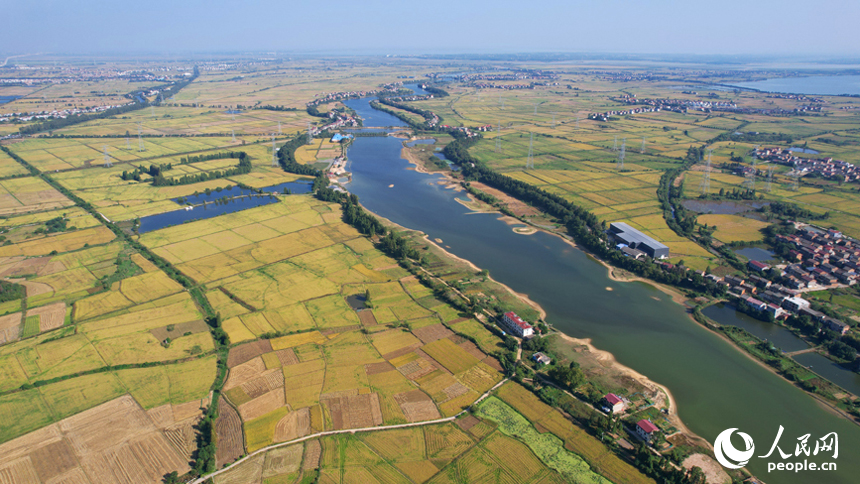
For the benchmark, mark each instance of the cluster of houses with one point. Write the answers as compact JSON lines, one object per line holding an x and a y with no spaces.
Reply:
{"x":826,"y":167}
{"x":678,"y":105}
{"x":615,"y":405}
{"x":821,"y":259}
{"x":517,"y":75}
{"x":507,"y":87}
{"x":797,"y":97}
{"x":341,"y":95}
{"x":469,"y":132}
{"x":56,"y":113}
{"x":606,"y":115}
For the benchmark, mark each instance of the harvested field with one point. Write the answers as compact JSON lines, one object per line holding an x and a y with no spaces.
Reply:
{"x":445,"y":441}
{"x":245,"y":372}
{"x":183,"y":437}
{"x":268,"y":381}
{"x":262,"y":405}
{"x":377,"y":368}
{"x":10,"y":327}
{"x":417,"y":406}
{"x":36,"y":288}
{"x":174,"y":331}
{"x":53,"y":459}
{"x":429,"y":334}
{"x":313,"y":450}
{"x":161,"y":416}
{"x":367,"y":318}
{"x":249,"y":471}
{"x":354,"y":411}
{"x":467,"y":422}
{"x":283,"y":460}
{"x":51,"y":316}
{"x":417,"y":368}
{"x":293,"y":425}
{"x":228,"y":427}
{"x":472,"y":349}
{"x":286,"y":357}
{"x":113,"y":442}
{"x":248,"y":351}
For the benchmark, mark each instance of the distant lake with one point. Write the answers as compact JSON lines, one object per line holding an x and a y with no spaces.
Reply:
{"x":824,"y":85}
{"x":803,"y":150}
{"x":8,"y":99}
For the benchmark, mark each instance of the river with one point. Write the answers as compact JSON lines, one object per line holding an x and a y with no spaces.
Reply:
{"x":813,"y":85}
{"x":716,"y":387}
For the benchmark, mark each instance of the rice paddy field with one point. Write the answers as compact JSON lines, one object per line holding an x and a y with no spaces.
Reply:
{"x":108,"y":363}
{"x":577,"y":158}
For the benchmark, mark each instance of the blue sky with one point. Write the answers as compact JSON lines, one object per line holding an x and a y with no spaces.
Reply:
{"x":787,"y":27}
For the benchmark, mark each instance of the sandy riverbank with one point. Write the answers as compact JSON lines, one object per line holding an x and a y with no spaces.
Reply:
{"x":608,"y":360}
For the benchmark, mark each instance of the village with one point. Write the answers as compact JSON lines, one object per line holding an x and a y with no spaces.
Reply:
{"x":825,"y":167}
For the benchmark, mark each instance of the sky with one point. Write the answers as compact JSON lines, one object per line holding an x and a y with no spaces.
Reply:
{"x":725,"y":27}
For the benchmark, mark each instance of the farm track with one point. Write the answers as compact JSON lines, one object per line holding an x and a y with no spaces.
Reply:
{"x":203,"y":479}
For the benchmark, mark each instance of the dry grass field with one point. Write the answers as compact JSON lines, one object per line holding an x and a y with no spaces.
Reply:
{"x":114,"y":442}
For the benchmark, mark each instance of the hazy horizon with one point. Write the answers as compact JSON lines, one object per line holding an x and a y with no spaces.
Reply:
{"x":667,"y":27}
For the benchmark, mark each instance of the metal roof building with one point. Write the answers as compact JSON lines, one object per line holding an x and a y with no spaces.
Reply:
{"x":637,"y":240}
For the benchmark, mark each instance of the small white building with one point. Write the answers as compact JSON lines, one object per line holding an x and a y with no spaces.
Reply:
{"x":795,"y":304}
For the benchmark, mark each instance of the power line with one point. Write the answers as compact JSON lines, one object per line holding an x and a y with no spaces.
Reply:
{"x":140,"y":146}
{"x":274,"y":158}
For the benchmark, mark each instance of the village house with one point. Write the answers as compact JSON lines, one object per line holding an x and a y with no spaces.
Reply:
{"x":612,"y":403}
{"x":541,"y":358}
{"x":645,"y":430}
{"x":516,"y":325}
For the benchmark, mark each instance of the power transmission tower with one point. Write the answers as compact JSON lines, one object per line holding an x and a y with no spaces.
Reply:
{"x":615,"y":144}
{"x":530,"y":162}
{"x":108,"y":164}
{"x":643,"y":146}
{"x":577,"y":121}
{"x":621,"y":154}
{"x":795,"y":180}
{"x":535,"y":109}
{"x":706,"y":179}
{"x":127,"y":144}
{"x":233,"y":114}
{"x":310,"y":134}
{"x":140,"y":146}
{"x":233,"y":134}
{"x":152,"y":109}
{"x":274,"y":158}
{"x":499,"y":139}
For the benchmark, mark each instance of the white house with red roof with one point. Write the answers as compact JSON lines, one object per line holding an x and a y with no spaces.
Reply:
{"x":517,"y":326}
{"x":612,"y":403}
{"x":645,"y":429}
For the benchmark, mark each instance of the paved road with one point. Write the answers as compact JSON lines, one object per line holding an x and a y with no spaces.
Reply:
{"x":346,"y":431}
